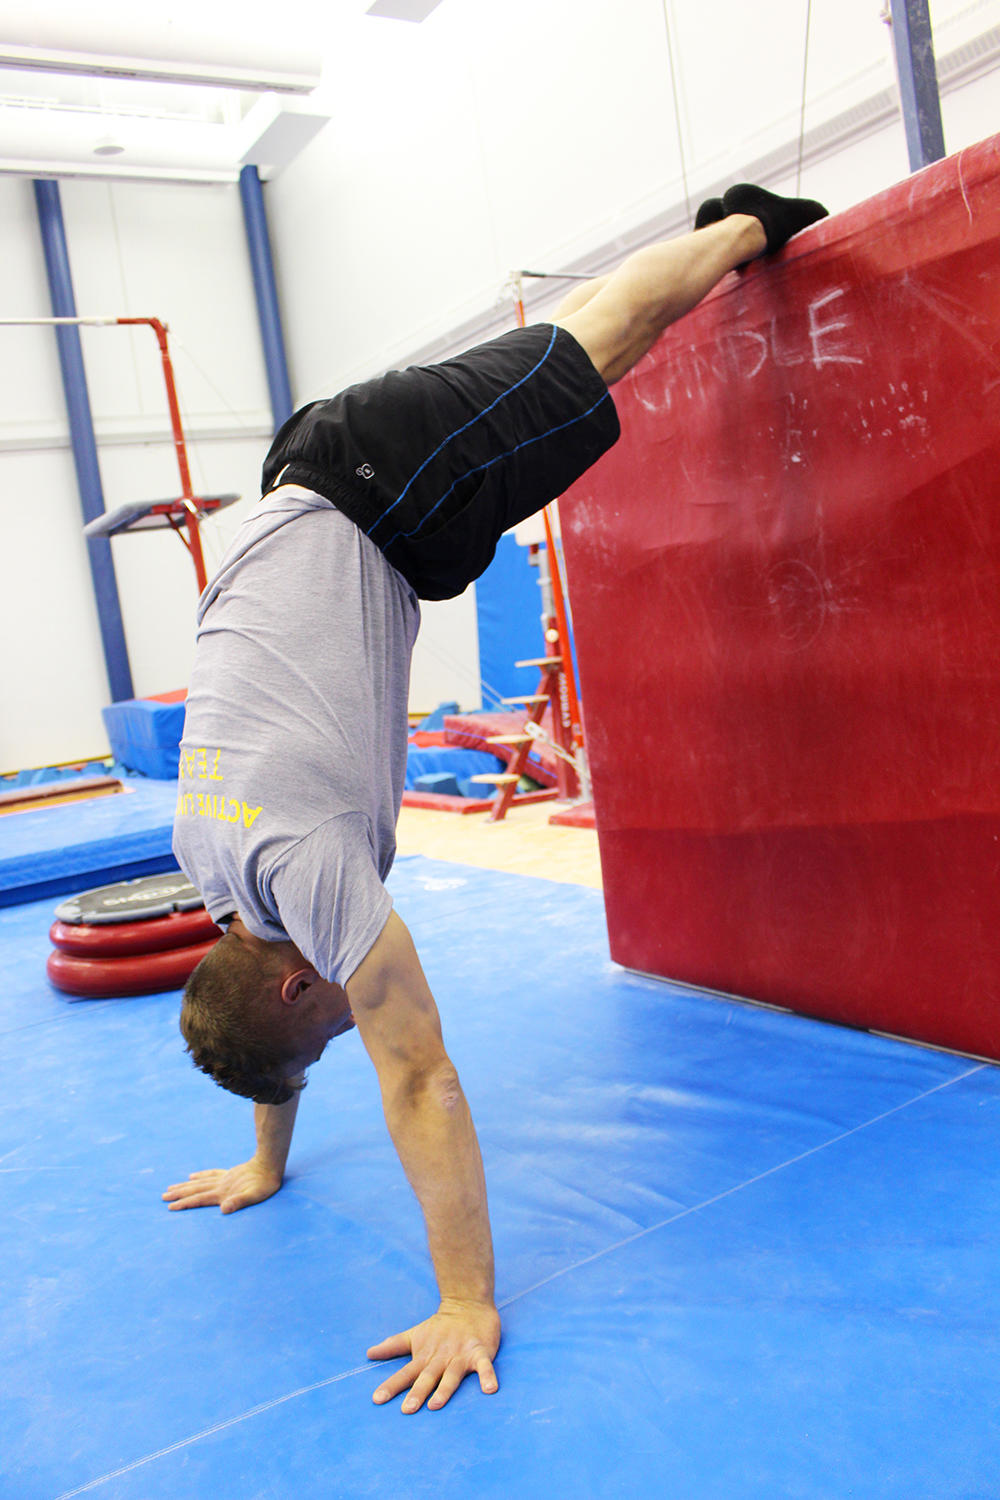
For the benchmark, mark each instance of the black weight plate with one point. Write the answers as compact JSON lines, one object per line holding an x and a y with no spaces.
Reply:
{"x":131,"y":900}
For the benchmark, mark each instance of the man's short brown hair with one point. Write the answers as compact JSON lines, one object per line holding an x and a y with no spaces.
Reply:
{"x":232,"y":1033}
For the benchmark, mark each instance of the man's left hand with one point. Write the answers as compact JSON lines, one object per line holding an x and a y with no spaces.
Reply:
{"x":461,"y":1338}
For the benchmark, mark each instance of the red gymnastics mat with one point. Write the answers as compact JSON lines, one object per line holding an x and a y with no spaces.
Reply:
{"x":473,"y":732}
{"x":800,"y":530}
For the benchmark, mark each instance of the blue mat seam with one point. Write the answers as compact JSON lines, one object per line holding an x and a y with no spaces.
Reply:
{"x":527,"y":1292}
{"x":695,"y":1208}
{"x":254,"y":1411}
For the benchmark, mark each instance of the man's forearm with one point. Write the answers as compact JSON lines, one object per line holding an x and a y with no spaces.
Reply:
{"x":432,"y":1130}
{"x":273,"y":1124}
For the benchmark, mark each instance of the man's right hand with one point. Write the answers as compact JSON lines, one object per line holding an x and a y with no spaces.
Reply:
{"x":253,"y":1180}
{"x":239,"y":1187}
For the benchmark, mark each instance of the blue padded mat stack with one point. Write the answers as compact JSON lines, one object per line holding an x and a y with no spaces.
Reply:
{"x":49,"y":851}
{"x":43,"y":775}
{"x":426,"y":762}
{"x":741,"y":1255}
{"x":145,"y":735}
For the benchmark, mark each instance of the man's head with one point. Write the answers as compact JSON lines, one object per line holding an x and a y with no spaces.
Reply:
{"x":256,"y":1014}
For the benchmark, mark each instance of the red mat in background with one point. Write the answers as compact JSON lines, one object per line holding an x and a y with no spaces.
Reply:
{"x":576,"y":815}
{"x":786,"y":589}
{"x":472,"y":732}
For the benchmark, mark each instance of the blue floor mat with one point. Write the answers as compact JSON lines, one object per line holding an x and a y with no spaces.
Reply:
{"x":50,"y":851}
{"x":742,"y":1255}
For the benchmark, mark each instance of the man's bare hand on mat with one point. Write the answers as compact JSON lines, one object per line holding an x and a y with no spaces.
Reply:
{"x":459,"y":1340}
{"x":239,"y":1187}
{"x":252,"y":1181}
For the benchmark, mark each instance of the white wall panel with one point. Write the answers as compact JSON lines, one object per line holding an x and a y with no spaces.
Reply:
{"x":177,"y":253}
{"x":52,"y":681}
{"x":446,"y":660}
{"x":29,"y":366}
{"x":497,"y":136}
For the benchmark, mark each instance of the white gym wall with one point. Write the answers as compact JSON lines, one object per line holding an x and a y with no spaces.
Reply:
{"x":490,"y":137}
{"x":136,"y":249}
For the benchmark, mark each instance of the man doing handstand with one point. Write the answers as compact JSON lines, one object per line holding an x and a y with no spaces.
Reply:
{"x":294,"y":749}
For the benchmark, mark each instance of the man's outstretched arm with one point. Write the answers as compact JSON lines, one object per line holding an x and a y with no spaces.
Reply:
{"x":252,"y":1181}
{"x":432,"y":1130}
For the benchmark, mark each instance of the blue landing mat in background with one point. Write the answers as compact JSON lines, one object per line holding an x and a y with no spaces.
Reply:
{"x":74,"y":847}
{"x":743,"y":1256}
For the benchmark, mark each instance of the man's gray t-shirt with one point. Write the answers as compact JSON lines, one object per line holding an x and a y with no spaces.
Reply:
{"x":294,"y":752}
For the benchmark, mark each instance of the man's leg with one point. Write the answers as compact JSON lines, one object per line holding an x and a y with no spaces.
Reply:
{"x":620,"y":320}
{"x":617,"y":318}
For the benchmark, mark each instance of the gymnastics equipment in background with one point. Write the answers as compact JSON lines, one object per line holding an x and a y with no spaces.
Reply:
{"x":182,"y":515}
{"x":549,"y":704}
{"x":795,"y":647}
{"x":145,"y":733}
{"x":134,"y":937}
{"x":442,"y":770}
{"x":460,"y":767}
{"x":551,"y":715}
{"x":542,"y":741}
{"x":56,"y":791}
{"x":53,"y":852}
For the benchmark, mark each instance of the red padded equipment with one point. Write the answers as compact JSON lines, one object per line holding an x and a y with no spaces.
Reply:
{"x":108,"y":978}
{"x":120,"y":939}
{"x":474,"y":731}
{"x":786,"y":588}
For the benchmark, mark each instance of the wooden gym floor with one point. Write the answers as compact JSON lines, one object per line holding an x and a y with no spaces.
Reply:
{"x":524,"y":843}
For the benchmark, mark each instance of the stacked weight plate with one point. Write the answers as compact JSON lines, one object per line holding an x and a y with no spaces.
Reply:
{"x":131,"y":938}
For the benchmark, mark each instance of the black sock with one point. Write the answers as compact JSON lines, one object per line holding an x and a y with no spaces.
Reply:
{"x":710,"y":212}
{"x":781,"y":217}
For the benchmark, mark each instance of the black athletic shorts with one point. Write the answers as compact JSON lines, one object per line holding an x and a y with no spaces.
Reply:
{"x":435,"y":463}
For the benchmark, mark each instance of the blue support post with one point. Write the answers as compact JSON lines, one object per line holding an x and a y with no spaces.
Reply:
{"x":259,"y":245}
{"x":81,"y":428}
{"x":913,"y":43}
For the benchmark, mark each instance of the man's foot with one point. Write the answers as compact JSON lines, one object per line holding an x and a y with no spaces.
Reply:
{"x":710,"y":212}
{"x":781,"y":217}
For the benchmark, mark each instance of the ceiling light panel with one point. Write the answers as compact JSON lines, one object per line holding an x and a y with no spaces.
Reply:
{"x":187,"y":41}
{"x":403,"y":10}
{"x":30,"y":90}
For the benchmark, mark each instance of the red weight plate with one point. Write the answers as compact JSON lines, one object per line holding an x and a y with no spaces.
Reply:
{"x":119,"y":939}
{"x":109,"y":978}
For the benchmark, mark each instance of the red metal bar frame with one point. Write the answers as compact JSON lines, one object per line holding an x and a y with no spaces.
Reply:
{"x":180,"y":447}
{"x":572,"y":717}
{"x":569,"y":701}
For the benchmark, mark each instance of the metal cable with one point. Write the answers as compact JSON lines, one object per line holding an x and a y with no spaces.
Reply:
{"x":677,"y":111}
{"x":802,"y":112}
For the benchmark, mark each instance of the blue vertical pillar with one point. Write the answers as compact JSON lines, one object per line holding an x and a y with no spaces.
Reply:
{"x":266,"y":292}
{"x":918,"y":86}
{"x":81,"y":428}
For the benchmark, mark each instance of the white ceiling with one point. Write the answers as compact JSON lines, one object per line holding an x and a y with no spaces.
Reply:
{"x":180,"y":90}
